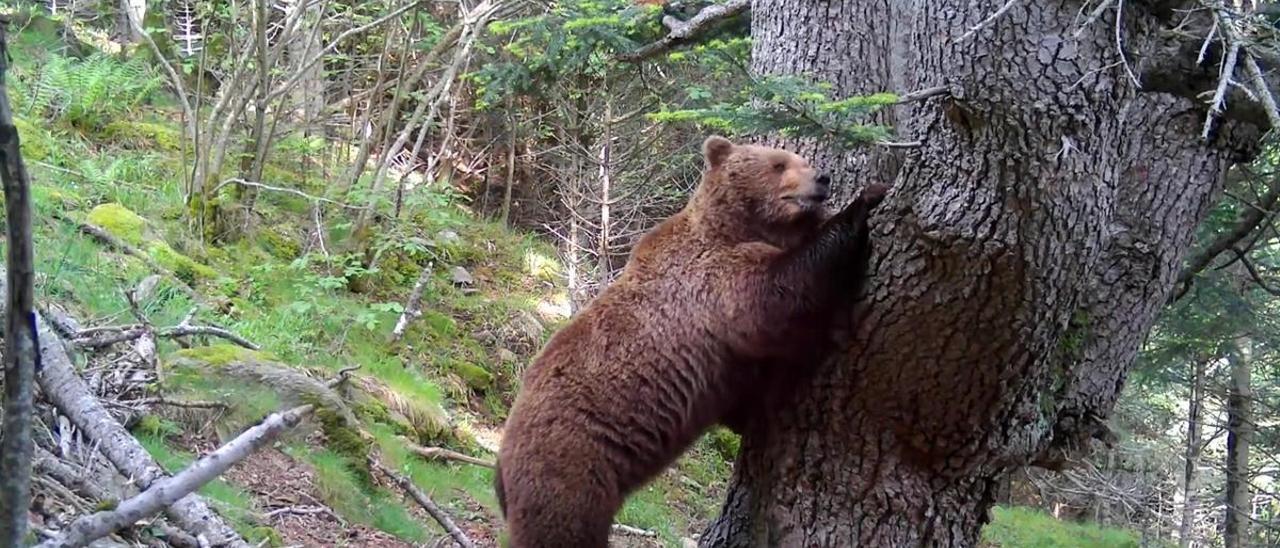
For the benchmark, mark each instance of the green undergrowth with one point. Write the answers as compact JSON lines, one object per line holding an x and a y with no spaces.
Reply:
{"x":1019,"y":527}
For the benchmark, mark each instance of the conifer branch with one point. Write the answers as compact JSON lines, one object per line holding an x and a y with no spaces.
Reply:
{"x":683,"y":33}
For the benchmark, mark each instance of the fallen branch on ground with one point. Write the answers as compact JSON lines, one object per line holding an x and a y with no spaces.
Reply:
{"x":109,"y":336}
{"x":634,"y":531}
{"x":413,"y":307}
{"x":169,"y":490}
{"x":446,"y":454}
{"x":64,"y":388}
{"x":688,"y":31}
{"x":426,"y":503}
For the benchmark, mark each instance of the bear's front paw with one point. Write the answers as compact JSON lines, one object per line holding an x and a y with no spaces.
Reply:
{"x":873,"y":194}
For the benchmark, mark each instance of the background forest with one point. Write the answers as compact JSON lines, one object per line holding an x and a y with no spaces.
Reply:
{"x":380,"y":210}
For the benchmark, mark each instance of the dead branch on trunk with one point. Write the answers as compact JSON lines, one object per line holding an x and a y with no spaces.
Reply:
{"x":64,"y":388}
{"x":423,"y":500}
{"x":688,"y":31}
{"x":413,"y":307}
{"x":21,"y":349}
{"x":432,"y":453}
{"x":169,"y":490}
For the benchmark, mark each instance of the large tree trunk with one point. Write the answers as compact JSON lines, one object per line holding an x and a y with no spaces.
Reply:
{"x":1239,"y":434}
{"x":1026,"y":247}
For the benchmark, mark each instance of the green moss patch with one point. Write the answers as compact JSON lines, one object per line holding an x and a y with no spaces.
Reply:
{"x":119,"y":221}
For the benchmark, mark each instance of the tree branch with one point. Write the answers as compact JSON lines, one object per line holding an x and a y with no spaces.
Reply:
{"x":1253,"y":272}
{"x":426,"y":503}
{"x":1248,"y":220}
{"x":688,"y":31}
{"x":169,"y":490}
{"x":446,"y":454}
{"x":413,"y":307}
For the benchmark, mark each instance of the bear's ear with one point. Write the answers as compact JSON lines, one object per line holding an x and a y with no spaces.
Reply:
{"x":716,"y":149}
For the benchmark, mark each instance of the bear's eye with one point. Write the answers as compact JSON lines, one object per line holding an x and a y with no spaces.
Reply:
{"x":779,"y":167}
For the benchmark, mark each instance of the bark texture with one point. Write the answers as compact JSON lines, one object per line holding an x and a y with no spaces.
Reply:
{"x":1020,"y":259}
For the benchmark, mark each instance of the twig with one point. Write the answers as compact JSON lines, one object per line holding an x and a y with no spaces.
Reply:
{"x":705,"y":20}
{"x":343,"y":375}
{"x":1120,"y":44}
{"x":111,"y":338}
{"x":293,"y":191}
{"x":413,"y":307}
{"x":21,"y":344}
{"x":193,"y":404}
{"x":1220,"y":94}
{"x":634,"y":531}
{"x":446,"y":454}
{"x":1253,"y":272}
{"x":116,"y":335}
{"x":187,"y":330}
{"x":170,"y":490}
{"x":425,"y":502}
{"x":989,"y":20}
{"x":1260,"y":85}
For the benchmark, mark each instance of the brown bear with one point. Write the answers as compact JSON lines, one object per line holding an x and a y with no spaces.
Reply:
{"x":738,"y":279}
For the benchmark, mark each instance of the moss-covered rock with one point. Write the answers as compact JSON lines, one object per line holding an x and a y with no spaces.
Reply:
{"x":142,"y":135}
{"x":279,"y":240}
{"x":476,"y":377}
{"x":120,"y":221}
{"x":35,"y":143}
{"x":181,"y":265}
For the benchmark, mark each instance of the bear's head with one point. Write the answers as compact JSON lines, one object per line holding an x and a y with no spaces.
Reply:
{"x":770,"y":191}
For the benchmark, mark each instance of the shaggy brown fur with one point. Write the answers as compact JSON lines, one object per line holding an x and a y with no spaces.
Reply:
{"x":741,"y":276}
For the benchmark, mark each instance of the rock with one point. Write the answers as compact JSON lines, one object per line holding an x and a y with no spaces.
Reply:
{"x":448,"y":237}
{"x":687,"y":542}
{"x":461,"y":276}
{"x":528,"y":326}
{"x":507,"y":356}
{"x":146,"y":288}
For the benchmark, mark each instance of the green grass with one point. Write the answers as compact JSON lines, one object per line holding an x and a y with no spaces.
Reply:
{"x":1020,"y":527}
{"x":342,"y":489}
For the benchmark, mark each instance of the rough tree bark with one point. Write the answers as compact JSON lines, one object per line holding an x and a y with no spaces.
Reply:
{"x":1021,"y":257}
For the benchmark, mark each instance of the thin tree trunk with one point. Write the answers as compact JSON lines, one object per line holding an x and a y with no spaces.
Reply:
{"x":21,"y":351}
{"x":511,"y":169}
{"x":606,"y":267}
{"x":1239,"y":502}
{"x":1021,"y":257}
{"x":1191,"y":455}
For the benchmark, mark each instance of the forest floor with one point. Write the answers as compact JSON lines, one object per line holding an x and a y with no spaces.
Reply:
{"x":290,"y":277}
